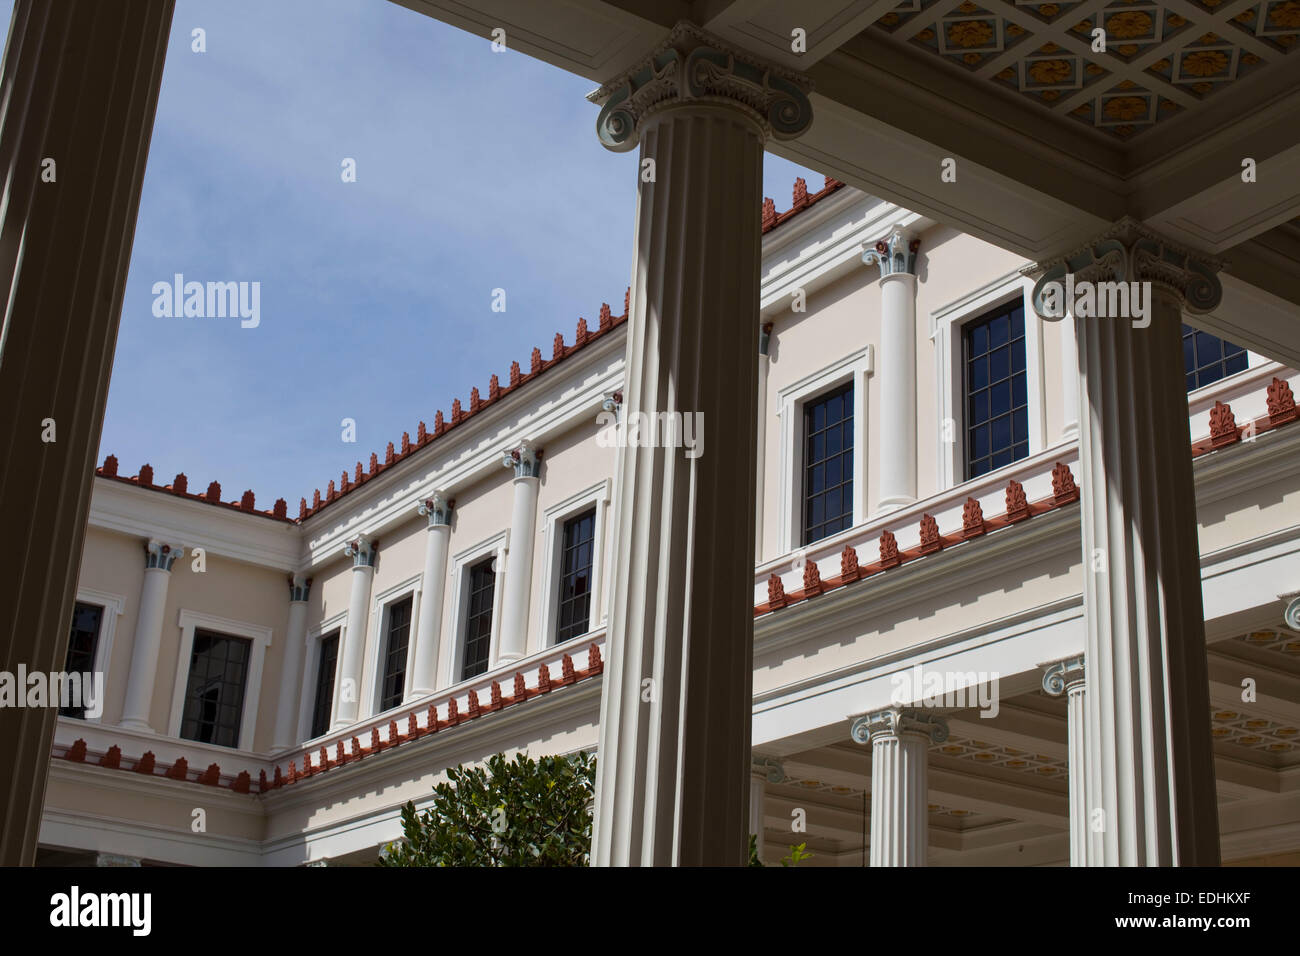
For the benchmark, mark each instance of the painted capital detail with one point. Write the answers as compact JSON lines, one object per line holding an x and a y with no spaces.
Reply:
{"x":691,"y":66}
{"x":893,"y":721}
{"x":1060,"y":676}
{"x":159,"y":555}
{"x":437,"y":509}
{"x":362,"y":551}
{"x":299,"y":587}
{"x":1130,"y":252}
{"x":525,"y":458}
{"x":895,"y":255}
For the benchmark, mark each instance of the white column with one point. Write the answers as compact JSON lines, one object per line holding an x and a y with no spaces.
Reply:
{"x":159,"y":559}
{"x":428,"y":631}
{"x":672,"y":784}
{"x":526,"y":462}
{"x":764,"y":339}
{"x":1148,"y":728}
{"x":900,"y":739}
{"x":896,"y":452}
{"x":291,"y":686}
{"x":347,"y":704}
{"x":1069,"y":379}
{"x":762,"y":771}
{"x":1068,"y":677}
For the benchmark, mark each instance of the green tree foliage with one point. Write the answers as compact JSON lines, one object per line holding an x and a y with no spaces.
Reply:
{"x":519,"y":812}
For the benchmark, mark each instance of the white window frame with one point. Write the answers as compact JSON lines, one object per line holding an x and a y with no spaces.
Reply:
{"x":311,"y":663}
{"x":112,"y":605}
{"x":945,"y":332}
{"x":857,"y":367}
{"x":496,"y":546}
{"x":554,"y":517}
{"x":377,"y":643}
{"x":189,"y":621}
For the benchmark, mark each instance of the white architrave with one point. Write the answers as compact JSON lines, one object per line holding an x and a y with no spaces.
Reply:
{"x":188,"y":622}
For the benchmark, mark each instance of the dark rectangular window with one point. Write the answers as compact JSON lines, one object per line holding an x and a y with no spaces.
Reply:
{"x":325,"y":667}
{"x":1207,"y":358}
{"x":399,"y":638}
{"x":575,"y":576}
{"x":214,"y":695}
{"x":86,"y":619}
{"x":478,"y":624}
{"x":828,"y":464}
{"x":996,"y":390}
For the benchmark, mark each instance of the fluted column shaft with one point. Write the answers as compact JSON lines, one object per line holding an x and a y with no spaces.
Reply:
{"x":900,"y":741}
{"x":348,"y":689}
{"x":291,"y":679}
{"x":526,"y":461}
{"x":1068,"y":677}
{"x":148,"y":635}
{"x":433,"y":585}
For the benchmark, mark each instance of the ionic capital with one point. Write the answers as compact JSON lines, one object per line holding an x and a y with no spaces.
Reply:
{"x":897,"y":721}
{"x":362,"y":551}
{"x":895,"y":254}
{"x":764,"y":338}
{"x":525,"y":458}
{"x":437,"y":509}
{"x":299,"y":588}
{"x":769,"y":768}
{"x":694,"y":67}
{"x":1130,"y":252}
{"x":1063,"y":675}
{"x":160,"y":555}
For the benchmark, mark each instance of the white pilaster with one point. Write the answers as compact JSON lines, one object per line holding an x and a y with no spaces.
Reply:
{"x":764,"y":339}
{"x":900,"y":741}
{"x":286,"y":715}
{"x":428,"y":631}
{"x":1148,"y":732}
{"x":159,"y":559}
{"x":672,"y":784}
{"x":896,"y":453}
{"x":526,"y":462}
{"x":347,"y":703}
{"x":1068,"y":677}
{"x":1069,"y":380}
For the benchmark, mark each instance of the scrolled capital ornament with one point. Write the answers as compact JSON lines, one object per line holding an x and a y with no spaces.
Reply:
{"x":158,"y":554}
{"x":691,"y":67}
{"x":437,"y":509}
{"x":896,"y":721}
{"x":362,"y":551}
{"x":896,"y":254}
{"x":525,"y":458}
{"x":1062,"y":675}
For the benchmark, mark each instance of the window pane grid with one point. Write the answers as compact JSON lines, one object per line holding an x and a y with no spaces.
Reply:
{"x":996,"y":389}
{"x":1207,"y":358}
{"x":214,"y":695}
{"x":575,"y":576}
{"x":325,"y":668}
{"x":828,"y":464}
{"x":478,"y":624}
{"x":86,"y":619}
{"x":399,"y":633}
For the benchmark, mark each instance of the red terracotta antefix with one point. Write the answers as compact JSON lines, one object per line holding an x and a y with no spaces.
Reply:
{"x":627,"y":302}
{"x":113,"y":759}
{"x":146,"y":476}
{"x":580,"y":337}
{"x":262,"y":785}
{"x":356,"y":749}
{"x":474,"y":400}
{"x":566,"y":670}
{"x":453,"y":715}
{"x":361,"y":475}
{"x":800,"y":194}
{"x":330,"y":493}
{"x":279,"y":777}
{"x":775,"y":593}
{"x":535,"y":362}
{"x":406,"y":443}
{"x":472,"y":708}
{"x":244,"y":782}
{"x":389,"y":453}
{"x":306,"y":770}
{"x":315,"y":499}
{"x":1017,"y":507}
{"x":1064,"y":490}
{"x":594,"y":663}
{"x":497,"y":702}
{"x":412,"y":726}
{"x":394,"y":735}
{"x":210,"y":777}
{"x":769,"y":213}
{"x":1281,"y":408}
{"x":889,"y":551}
{"x":77,"y":752}
{"x":110,"y":464}
{"x":433,"y":719}
{"x":439,"y":423}
{"x":292,"y":775}
{"x":557,"y":348}
{"x":812,"y":580}
{"x":543,"y":679}
{"x":972,"y":519}
{"x":421,"y":436}
{"x":344,"y":484}
{"x":456,"y":413}
{"x":606,"y":320}
{"x":180,"y":484}
{"x":340,"y":755}
{"x":302,"y":508}
{"x":494,"y":388}
{"x":145,"y":763}
{"x":831,"y":181}
{"x":179,"y":770}
{"x":515,"y":374}
{"x":375,"y":745}
{"x":849,"y":570}
{"x":214,"y":492}
{"x":247,"y":501}
{"x":324,"y":758}
{"x":521,"y":688}
{"x":930,"y":540}
{"x":1223,"y":426}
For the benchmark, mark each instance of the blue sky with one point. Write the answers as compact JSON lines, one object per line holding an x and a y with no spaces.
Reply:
{"x":475,"y":171}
